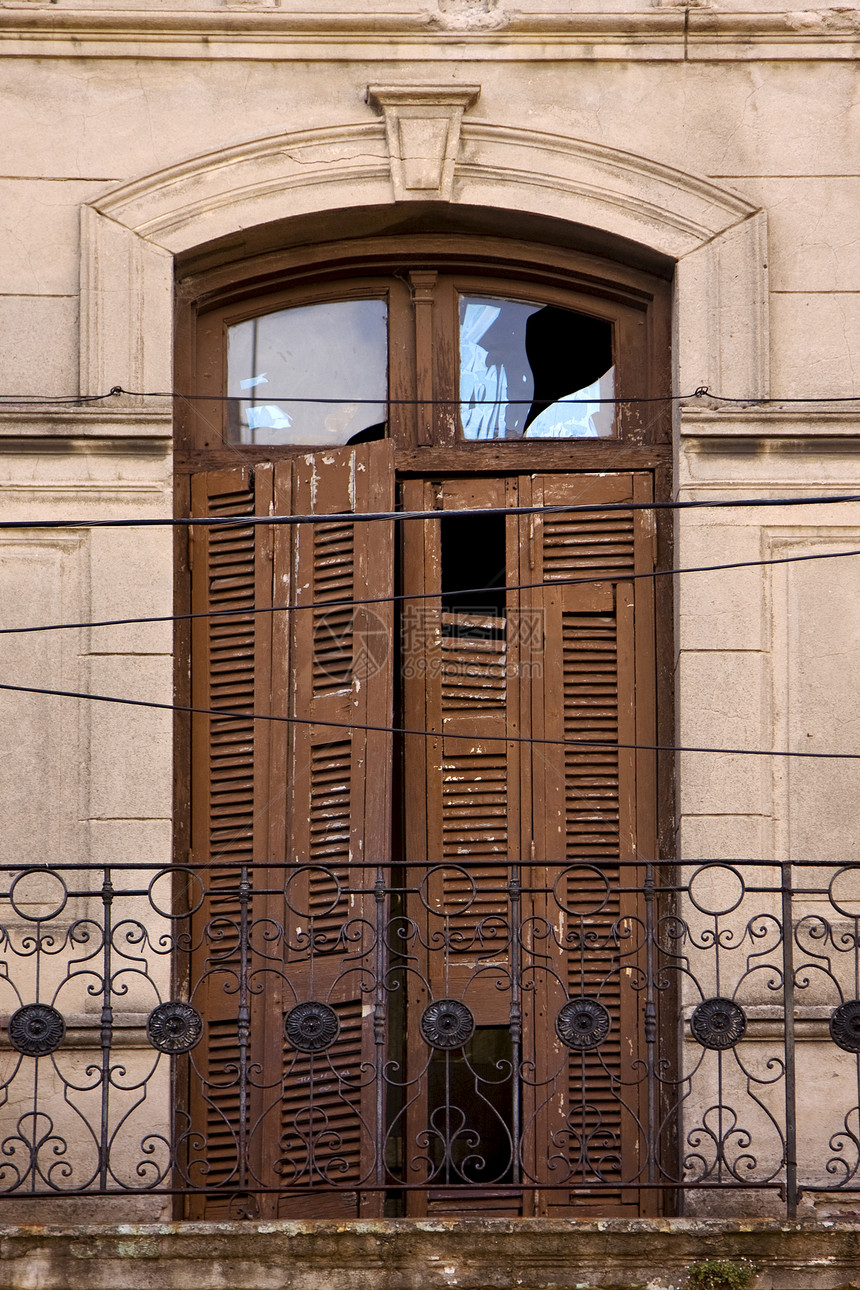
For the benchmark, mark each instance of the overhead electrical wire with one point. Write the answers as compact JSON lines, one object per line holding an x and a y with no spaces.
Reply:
{"x":396,"y":516}
{"x":398,"y":597}
{"x":701,"y":392}
{"x":477,"y":512}
{"x":222,"y":714}
{"x":56,"y":400}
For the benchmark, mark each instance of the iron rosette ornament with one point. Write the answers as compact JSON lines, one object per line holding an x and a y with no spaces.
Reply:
{"x":845,"y":1026}
{"x":718,"y":1024}
{"x":174,"y":1027}
{"x":311,"y":1027}
{"x":36,"y":1030}
{"x":582,"y":1023}
{"x":447,"y":1024}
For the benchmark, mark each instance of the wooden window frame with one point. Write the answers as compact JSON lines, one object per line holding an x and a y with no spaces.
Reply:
{"x":215,"y":283}
{"x":421,"y":276}
{"x":637,"y":304}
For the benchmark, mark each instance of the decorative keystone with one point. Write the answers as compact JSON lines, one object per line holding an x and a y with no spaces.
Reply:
{"x":422,"y":125}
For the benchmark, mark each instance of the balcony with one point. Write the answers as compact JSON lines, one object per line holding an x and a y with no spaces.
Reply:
{"x":393,"y":1041}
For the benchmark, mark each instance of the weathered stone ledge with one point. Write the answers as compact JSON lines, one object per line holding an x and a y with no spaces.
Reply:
{"x":670,"y":31}
{"x":398,"y":1254}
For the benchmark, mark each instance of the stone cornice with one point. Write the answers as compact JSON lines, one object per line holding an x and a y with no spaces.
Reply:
{"x":122,"y":425}
{"x":263,"y":33}
{"x":773,"y":421}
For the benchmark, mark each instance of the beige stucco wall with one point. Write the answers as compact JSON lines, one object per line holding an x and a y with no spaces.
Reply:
{"x":725,"y":138}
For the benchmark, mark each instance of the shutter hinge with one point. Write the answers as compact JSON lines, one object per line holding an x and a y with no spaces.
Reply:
{"x":190,"y":551}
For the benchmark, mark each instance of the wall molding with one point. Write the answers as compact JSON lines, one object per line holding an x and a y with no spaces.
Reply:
{"x":131,"y":234}
{"x":665,"y":31}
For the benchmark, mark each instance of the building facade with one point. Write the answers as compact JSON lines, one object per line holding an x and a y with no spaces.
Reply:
{"x":454,"y":866}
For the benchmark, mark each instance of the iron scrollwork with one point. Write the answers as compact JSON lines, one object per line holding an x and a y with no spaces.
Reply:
{"x":555,"y":1065}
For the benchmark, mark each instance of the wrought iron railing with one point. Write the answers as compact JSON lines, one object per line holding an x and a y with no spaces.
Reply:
{"x":405,"y":1039}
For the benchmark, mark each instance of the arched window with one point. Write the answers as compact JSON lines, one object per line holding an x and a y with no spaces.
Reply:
{"x":504,"y":340}
{"x":417,"y":954}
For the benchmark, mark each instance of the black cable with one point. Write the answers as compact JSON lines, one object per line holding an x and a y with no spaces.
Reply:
{"x":409,"y":403}
{"x":58,"y":400}
{"x":17,"y":400}
{"x":427,"y":595}
{"x":608,"y":744}
{"x":477,"y":512}
{"x":701,"y":391}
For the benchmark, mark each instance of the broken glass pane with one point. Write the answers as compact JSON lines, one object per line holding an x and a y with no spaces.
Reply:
{"x":534,"y":371}
{"x":316,"y":374}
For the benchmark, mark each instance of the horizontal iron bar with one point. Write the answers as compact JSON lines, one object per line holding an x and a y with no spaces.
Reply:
{"x":218,"y":864}
{"x":467,"y":1189}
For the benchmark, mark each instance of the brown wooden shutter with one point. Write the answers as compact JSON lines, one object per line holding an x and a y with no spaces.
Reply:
{"x":463,"y":809}
{"x":231,"y":655}
{"x":338,"y":790}
{"x":318,"y":796}
{"x":593,"y":808}
{"x":468,"y":693}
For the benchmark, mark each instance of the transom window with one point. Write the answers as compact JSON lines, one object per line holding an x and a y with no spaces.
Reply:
{"x":441,"y":355}
{"x":313,"y":374}
{"x":526,"y":371}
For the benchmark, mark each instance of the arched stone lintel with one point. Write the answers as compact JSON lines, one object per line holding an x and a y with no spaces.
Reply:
{"x":131,"y":234}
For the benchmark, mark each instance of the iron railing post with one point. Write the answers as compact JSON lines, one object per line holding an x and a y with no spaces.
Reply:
{"x":106,"y":1030}
{"x":650,"y":1027}
{"x":379,"y":892}
{"x":516,"y":1019}
{"x":790,"y":1074}
{"x":243,"y":1025}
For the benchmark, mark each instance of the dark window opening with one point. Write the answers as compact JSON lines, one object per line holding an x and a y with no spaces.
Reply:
{"x":471,"y":1112}
{"x":473,"y":561}
{"x":567,"y":352}
{"x":371,"y":434}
